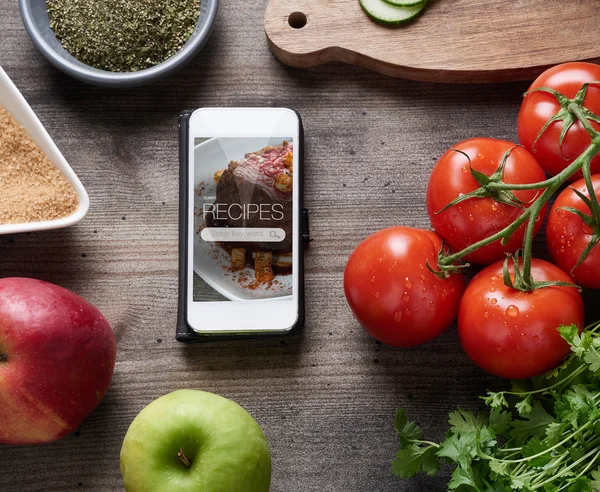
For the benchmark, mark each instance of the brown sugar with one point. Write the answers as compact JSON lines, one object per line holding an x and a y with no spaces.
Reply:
{"x":32,"y":189}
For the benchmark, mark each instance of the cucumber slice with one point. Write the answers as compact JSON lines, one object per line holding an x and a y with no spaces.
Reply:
{"x":384,"y":13}
{"x":407,"y":3}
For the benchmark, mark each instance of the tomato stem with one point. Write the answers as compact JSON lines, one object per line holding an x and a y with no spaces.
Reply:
{"x":533,"y":212}
{"x":587,"y":176}
{"x":572,"y":110}
{"x":575,"y":109}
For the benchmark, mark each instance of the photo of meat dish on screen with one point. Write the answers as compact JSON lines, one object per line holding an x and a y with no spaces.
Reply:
{"x":243,"y":218}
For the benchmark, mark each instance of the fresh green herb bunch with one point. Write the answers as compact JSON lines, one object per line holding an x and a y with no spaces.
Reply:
{"x":543,"y":435}
{"x":123,"y":35}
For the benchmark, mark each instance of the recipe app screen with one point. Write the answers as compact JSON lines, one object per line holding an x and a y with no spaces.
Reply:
{"x":243,"y":210}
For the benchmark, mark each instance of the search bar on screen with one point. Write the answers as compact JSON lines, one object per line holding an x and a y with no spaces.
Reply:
{"x":243,"y":234}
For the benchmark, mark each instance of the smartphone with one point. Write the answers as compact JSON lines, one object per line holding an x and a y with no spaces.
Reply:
{"x":242,"y":223}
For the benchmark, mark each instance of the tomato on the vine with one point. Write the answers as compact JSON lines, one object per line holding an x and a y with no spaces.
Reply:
{"x":567,"y":235}
{"x":393,"y":294}
{"x":538,"y":107}
{"x":472,"y":220}
{"x":513,"y":334}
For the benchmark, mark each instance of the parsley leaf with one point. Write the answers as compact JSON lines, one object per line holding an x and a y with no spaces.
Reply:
{"x":458,"y":449}
{"x":595,"y":483}
{"x":578,"y":342}
{"x":537,"y":451}
{"x":407,"y":431}
{"x":495,"y":400}
{"x":500,"y":420}
{"x":460,"y":476}
{"x":592,"y":358}
{"x":413,"y":459}
{"x":533,"y":425}
{"x":524,"y":406}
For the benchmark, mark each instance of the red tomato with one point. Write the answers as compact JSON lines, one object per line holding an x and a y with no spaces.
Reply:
{"x":567,"y":236}
{"x":475,"y":219}
{"x":513,"y":334}
{"x":395,"y":298}
{"x":539,"y":107}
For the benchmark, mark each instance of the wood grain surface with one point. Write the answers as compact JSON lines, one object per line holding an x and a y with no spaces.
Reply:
{"x":452,"y":41}
{"x":326,"y":397}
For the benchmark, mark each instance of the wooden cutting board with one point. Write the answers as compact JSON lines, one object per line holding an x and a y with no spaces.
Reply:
{"x":452,"y":41}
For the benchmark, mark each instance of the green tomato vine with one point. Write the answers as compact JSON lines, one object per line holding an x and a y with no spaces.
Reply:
{"x":572,"y":111}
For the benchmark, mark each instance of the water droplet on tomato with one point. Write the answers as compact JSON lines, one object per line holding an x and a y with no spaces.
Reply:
{"x":471,"y":218}
{"x":492,"y":289}
{"x":512,"y":311}
{"x":494,"y":300}
{"x":523,"y":336}
{"x":465,"y":169}
{"x":499,"y":348}
{"x":486,"y":314}
{"x":423,"y":299}
{"x":428,"y":311}
{"x":494,"y":279}
{"x":373,"y":279}
{"x":406,"y":297}
{"x":397,"y":316}
{"x":408,"y":283}
{"x":535,"y":338}
{"x":563,"y":239}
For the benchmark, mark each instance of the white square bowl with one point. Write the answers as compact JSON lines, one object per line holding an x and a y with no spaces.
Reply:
{"x":17,"y":106}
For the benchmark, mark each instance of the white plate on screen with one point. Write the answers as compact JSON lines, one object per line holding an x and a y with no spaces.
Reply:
{"x":211,"y":262}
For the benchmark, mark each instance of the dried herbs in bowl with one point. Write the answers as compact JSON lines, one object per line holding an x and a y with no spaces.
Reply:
{"x":123,"y":35}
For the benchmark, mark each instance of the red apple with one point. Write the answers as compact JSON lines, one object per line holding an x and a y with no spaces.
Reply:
{"x":57,"y":355}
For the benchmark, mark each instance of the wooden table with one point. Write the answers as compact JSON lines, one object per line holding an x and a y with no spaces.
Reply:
{"x":326,"y":397}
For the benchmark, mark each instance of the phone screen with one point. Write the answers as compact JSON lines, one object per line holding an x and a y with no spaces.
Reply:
{"x":243,"y":218}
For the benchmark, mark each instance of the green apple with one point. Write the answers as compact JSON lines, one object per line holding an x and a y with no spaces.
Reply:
{"x":193,"y":441}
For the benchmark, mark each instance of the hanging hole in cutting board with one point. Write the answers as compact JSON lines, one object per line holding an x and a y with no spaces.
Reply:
{"x":297,"y":20}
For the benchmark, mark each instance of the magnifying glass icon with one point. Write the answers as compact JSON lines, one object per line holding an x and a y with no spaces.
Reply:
{"x":274,"y":234}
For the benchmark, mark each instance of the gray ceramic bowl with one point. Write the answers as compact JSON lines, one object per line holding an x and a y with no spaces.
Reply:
{"x":37,"y":23}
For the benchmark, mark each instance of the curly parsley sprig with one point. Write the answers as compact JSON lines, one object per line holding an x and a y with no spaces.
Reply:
{"x":542,"y":435}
